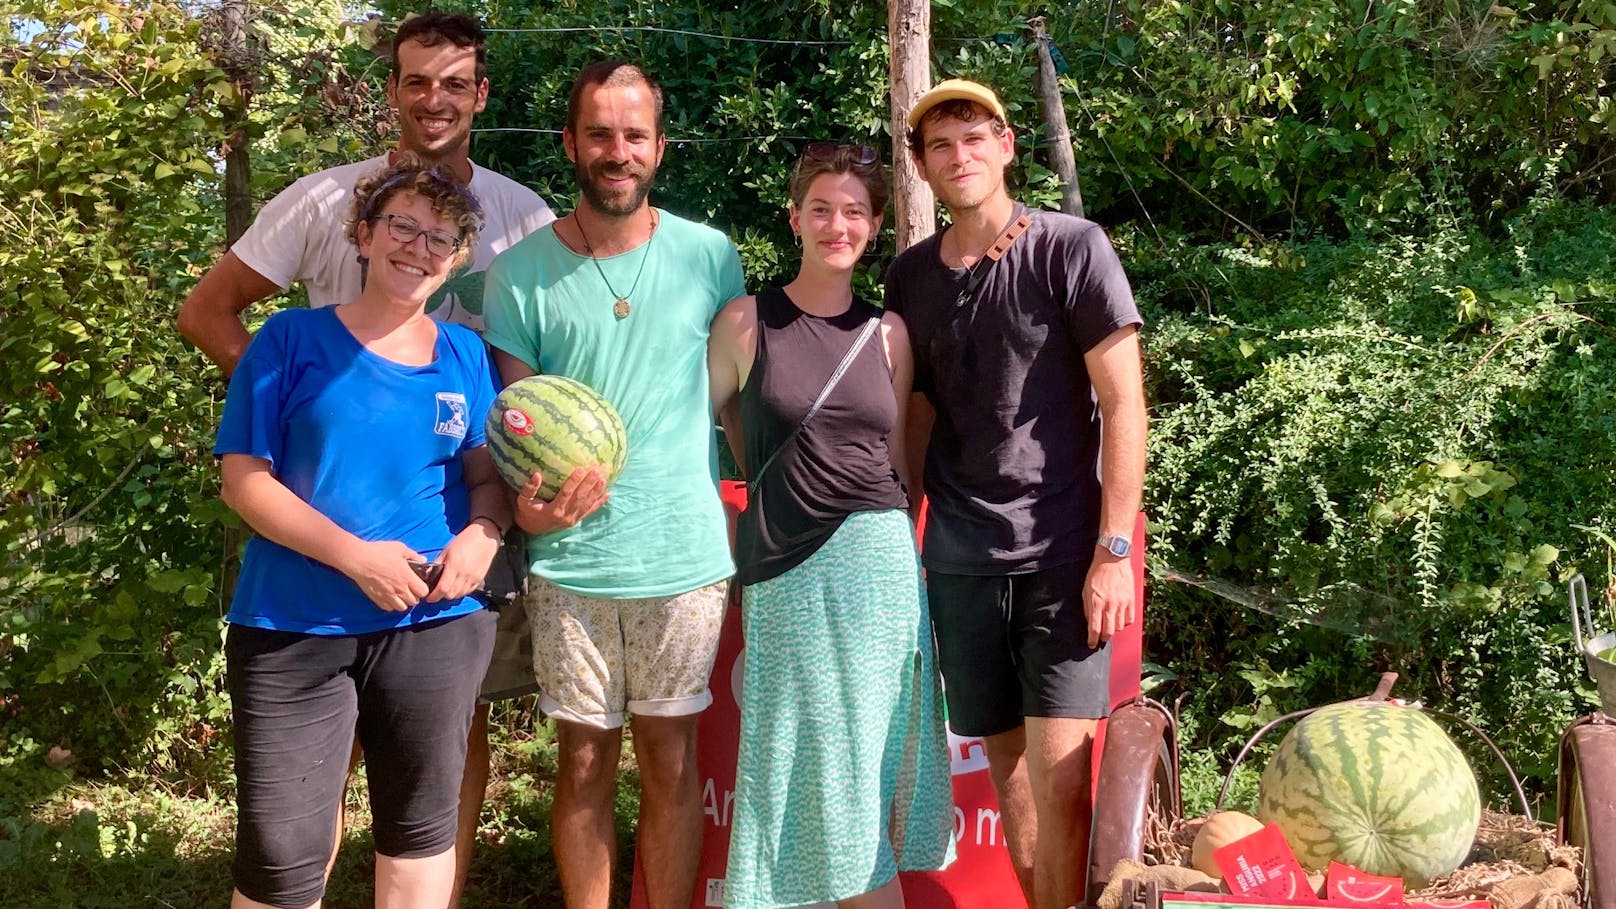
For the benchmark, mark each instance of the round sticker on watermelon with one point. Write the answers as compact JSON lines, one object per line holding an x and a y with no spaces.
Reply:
{"x":554,"y":425}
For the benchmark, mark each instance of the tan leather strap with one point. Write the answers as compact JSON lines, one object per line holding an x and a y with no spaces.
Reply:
{"x":995,"y":252}
{"x":1000,"y":246}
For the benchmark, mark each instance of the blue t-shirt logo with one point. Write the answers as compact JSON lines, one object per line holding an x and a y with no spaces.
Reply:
{"x":451,"y":415}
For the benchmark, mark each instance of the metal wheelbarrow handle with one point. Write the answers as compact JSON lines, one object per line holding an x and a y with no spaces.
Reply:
{"x":1581,"y":613}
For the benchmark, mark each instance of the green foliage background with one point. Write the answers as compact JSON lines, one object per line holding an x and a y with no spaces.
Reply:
{"x":1369,"y":239}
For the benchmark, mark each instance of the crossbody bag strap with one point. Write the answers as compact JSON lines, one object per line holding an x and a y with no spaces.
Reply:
{"x":824,"y":393}
{"x":994,"y":253}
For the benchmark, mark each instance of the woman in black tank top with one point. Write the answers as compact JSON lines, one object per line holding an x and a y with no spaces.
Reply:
{"x":839,"y":693}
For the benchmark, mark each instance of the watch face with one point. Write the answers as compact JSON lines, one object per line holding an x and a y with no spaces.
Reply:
{"x":1117,"y":546}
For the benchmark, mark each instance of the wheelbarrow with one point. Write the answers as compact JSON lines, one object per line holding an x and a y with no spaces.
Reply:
{"x":1586,"y":802}
{"x":1599,"y":747}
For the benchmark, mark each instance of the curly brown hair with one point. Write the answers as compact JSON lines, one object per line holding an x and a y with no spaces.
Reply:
{"x":450,"y":200}
{"x":435,"y":27}
{"x":953,"y":109}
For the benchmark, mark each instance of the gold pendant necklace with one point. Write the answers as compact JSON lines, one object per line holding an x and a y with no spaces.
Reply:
{"x":621,"y":308}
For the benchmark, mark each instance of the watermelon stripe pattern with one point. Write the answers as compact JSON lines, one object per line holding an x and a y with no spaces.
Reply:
{"x":1376,"y":786}
{"x":554,"y":425}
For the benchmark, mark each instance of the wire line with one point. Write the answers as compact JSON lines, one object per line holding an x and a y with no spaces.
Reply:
{"x":658,"y":29}
{"x":671,"y":139}
{"x":661,"y":30}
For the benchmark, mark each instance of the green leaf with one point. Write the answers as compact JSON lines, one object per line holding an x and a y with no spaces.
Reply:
{"x":1450,"y":469}
{"x":167,"y":581}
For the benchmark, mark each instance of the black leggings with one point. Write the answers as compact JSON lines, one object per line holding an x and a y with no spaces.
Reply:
{"x":298,"y":700}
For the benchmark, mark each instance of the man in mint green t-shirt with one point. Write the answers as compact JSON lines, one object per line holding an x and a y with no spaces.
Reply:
{"x":629,"y":587}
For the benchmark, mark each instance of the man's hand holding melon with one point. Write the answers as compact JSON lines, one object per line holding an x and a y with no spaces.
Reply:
{"x":579,"y":497}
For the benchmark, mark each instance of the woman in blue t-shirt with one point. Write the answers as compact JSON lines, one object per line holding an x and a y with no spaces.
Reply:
{"x":352,"y":443}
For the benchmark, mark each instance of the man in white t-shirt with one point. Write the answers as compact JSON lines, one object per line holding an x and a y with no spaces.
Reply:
{"x":437,"y":86}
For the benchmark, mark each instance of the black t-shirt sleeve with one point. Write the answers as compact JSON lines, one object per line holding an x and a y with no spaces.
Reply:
{"x":891,"y":301}
{"x":1099,"y":299}
{"x":896,"y":297}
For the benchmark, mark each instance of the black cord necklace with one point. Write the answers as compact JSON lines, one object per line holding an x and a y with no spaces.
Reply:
{"x":621,"y":308}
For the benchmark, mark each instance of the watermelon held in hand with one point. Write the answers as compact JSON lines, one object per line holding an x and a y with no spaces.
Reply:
{"x":554,"y":425}
{"x":1373,"y":785}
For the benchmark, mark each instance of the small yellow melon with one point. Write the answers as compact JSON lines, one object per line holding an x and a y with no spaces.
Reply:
{"x":1218,"y":831}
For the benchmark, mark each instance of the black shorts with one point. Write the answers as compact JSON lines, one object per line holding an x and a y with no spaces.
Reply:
{"x":298,"y":701}
{"x":1014,"y":646}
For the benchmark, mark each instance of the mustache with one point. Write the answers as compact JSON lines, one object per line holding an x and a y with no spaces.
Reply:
{"x":618,"y":171}
{"x":618,"y":202}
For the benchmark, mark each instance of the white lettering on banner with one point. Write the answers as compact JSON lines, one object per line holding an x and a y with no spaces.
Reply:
{"x":711,"y":807}
{"x":987,"y":826}
{"x":737,"y":674}
{"x":715,"y":892}
{"x":965,"y":755}
{"x":1250,"y":876}
{"x":991,"y":818}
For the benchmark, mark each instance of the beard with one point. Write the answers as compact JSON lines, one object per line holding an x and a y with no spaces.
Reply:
{"x":620,"y":203}
{"x":963,"y":198}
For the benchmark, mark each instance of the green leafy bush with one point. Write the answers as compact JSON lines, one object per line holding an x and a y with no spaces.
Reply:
{"x":107,"y":499}
{"x":1376,"y":451}
{"x":112,"y":119}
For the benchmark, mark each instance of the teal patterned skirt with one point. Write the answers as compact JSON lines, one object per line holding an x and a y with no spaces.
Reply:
{"x":843,"y":775}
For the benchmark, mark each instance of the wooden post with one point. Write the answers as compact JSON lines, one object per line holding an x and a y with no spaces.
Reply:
{"x":909,"y":34}
{"x":237,"y":167}
{"x":1053,"y":109}
{"x":237,"y":64}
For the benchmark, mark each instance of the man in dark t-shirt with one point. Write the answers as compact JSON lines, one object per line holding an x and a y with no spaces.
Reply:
{"x":1029,"y":411}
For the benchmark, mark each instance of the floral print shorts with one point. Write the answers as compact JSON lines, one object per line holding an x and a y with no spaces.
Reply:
{"x":597,"y":658}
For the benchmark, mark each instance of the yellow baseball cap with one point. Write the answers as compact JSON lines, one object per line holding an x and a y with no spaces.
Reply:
{"x":956,"y":90}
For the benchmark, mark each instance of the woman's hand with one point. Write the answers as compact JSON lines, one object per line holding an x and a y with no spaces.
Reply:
{"x":579,"y":497}
{"x":465,"y":561}
{"x":382,"y":570}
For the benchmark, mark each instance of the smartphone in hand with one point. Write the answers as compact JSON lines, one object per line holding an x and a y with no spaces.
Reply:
{"x":428,"y":572}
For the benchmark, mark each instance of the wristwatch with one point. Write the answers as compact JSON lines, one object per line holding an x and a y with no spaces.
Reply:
{"x":1117,"y":546}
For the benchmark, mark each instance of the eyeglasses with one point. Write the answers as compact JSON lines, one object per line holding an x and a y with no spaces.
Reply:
{"x":862,"y":155}
{"x":403,"y":229}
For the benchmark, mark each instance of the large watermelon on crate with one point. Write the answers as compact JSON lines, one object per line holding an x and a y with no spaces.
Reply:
{"x":554,"y":425}
{"x":1374,"y":785}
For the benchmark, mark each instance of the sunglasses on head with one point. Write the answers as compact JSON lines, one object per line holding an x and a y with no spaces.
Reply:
{"x":862,"y":155}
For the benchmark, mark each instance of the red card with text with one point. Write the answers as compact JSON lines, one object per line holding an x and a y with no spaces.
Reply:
{"x":1347,"y":884}
{"x":1264,"y":865}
